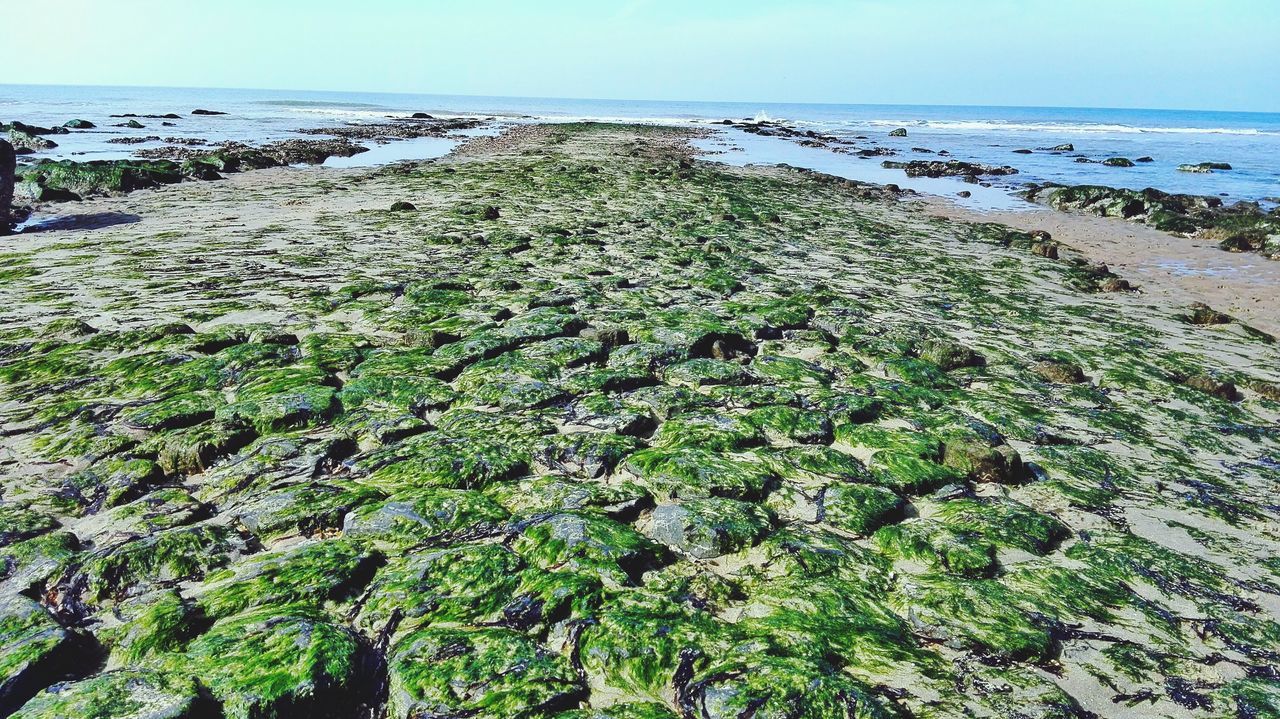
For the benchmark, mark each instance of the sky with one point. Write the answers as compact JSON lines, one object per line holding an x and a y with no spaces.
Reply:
{"x":1181,"y":54}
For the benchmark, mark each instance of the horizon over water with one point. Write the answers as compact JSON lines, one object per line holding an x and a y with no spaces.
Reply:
{"x":1249,"y":141}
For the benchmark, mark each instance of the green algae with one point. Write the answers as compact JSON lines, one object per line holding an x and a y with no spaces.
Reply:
{"x":651,"y":438}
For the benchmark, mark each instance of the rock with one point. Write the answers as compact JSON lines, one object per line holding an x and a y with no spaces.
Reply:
{"x":26,"y":140}
{"x":1204,"y":315}
{"x":132,"y":124}
{"x":964,"y":193}
{"x":491,"y":213}
{"x":277,"y":661}
{"x":36,"y":129}
{"x":1064,"y":147}
{"x":1060,"y":371}
{"x":66,"y":179}
{"x":8,"y":166}
{"x":424,"y":116}
{"x":34,"y":651}
{"x":1022,"y":152}
{"x":1118,"y":162}
{"x":403,"y":206}
{"x":708,"y":528}
{"x":1204,"y":167}
{"x":1144,"y":158}
{"x":1211,"y":385}
{"x":206,"y":112}
{"x":79,"y":125}
{"x":900,"y":132}
{"x":122,"y":694}
{"x":950,"y":168}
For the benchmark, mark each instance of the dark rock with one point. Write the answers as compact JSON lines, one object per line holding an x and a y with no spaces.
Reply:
{"x":1204,"y":315}
{"x":8,"y":166}
{"x":1144,"y":158}
{"x":1064,"y":147}
{"x":403,"y":206}
{"x":964,"y":193}
{"x":21,"y":139}
{"x":1022,"y":152}
{"x":422,"y":116}
{"x":206,"y":112}
{"x":1118,"y":162}
{"x":1060,"y":372}
{"x":1204,"y":167}
{"x":900,"y":132}
{"x":79,"y":125}
{"x":36,"y":129}
{"x":491,"y":213}
{"x":132,"y":124}
{"x":950,"y":168}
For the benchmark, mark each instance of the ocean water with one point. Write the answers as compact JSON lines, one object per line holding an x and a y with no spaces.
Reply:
{"x":1250,"y":142}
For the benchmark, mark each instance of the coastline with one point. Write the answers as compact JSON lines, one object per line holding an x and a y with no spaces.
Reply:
{"x":649,"y":434}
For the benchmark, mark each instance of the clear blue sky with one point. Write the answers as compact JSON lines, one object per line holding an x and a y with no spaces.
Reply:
{"x":1195,"y":54}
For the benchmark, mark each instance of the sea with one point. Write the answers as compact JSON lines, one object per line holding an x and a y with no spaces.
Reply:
{"x":1248,"y":141}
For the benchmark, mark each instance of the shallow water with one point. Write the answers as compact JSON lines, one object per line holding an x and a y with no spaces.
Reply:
{"x":735,"y":147}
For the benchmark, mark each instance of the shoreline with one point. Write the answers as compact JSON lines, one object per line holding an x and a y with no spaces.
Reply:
{"x":571,"y":423}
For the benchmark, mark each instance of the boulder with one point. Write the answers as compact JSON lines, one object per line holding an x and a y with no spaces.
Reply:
{"x":1118,"y":162}
{"x":132,"y":124}
{"x":79,"y":125}
{"x":29,"y":141}
{"x":900,"y":132}
{"x":206,"y":112}
{"x":1204,"y":167}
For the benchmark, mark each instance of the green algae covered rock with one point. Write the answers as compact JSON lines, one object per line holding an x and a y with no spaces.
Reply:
{"x":122,"y":694}
{"x":478,"y":672}
{"x":707,"y":528}
{"x":34,"y":651}
{"x":277,"y":662}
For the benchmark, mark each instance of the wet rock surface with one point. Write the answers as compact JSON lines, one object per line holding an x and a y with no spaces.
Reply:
{"x":652,"y":438}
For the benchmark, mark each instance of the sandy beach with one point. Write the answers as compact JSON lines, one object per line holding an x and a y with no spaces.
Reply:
{"x":571,"y":424}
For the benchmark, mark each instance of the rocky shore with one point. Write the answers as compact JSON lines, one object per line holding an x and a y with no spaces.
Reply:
{"x":570,"y":424}
{"x":1236,"y":227}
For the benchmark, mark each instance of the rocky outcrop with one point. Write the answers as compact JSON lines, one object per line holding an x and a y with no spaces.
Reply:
{"x":403,"y":129}
{"x":1118,"y":162}
{"x":1239,"y":227}
{"x":206,"y":112}
{"x":950,"y":168}
{"x":900,"y":132}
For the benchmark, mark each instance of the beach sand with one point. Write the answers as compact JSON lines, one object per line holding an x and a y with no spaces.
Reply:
{"x":594,"y":425}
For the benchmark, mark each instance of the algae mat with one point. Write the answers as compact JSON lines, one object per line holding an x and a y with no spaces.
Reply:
{"x":590,"y":429}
